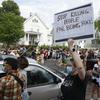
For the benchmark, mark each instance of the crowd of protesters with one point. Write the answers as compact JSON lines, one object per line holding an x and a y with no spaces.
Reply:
{"x":89,"y":57}
{"x":91,"y":62}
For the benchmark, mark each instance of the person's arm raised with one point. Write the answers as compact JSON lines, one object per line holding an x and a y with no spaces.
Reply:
{"x":78,"y":62}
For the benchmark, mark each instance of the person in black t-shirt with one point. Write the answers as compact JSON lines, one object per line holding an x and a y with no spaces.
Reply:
{"x":74,"y":85}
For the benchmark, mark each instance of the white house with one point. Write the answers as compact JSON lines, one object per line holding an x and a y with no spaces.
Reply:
{"x":36,"y":32}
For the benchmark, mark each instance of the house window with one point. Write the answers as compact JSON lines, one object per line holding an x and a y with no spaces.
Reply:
{"x":35,"y":21}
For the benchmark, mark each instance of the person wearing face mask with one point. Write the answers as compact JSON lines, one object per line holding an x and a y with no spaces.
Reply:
{"x":68,"y":69}
{"x":74,"y":85}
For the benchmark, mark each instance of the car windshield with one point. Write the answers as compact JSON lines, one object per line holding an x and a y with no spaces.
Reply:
{"x":59,"y":73}
{"x":1,"y":67}
{"x":5,"y":56}
{"x":2,"y":56}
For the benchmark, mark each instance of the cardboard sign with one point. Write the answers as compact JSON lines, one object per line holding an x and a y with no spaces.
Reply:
{"x":75,"y":23}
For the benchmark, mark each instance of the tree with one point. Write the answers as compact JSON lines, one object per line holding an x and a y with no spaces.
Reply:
{"x":11,"y":23}
{"x":10,"y":6}
{"x":97,"y":26}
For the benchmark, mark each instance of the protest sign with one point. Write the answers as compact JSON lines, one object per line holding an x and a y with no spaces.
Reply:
{"x":75,"y":23}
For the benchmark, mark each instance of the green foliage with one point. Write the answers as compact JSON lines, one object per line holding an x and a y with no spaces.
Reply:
{"x":97,"y":24}
{"x":53,"y":47}
{"x":11,"y":23}
{"x":98,"y":40}
{"x":10,"y":6}
{"x":1,"y":10}
{"x":44,"y":47}
{"x":11,"y":28}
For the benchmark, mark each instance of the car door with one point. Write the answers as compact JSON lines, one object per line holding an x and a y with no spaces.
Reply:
{"x":42,"y":85}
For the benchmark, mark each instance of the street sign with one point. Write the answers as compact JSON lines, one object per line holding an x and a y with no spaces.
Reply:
{"x":75,"y":23}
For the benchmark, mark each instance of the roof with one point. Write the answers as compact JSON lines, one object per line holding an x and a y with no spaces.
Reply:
{"x":38,"y":19}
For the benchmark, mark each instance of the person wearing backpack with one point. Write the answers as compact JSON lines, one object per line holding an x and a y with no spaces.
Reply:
{"x":10,"y":87}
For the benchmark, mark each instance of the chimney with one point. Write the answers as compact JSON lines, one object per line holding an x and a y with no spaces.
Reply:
{"x":30,"y":14}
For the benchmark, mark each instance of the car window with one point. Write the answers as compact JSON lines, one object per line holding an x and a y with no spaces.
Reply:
{"x":39,"y":76}
{"x":1,"y":67}
{"x":1,"y":58}
{"x":59,"y":73}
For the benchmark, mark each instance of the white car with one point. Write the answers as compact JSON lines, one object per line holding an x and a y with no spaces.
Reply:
{"x":43,"y":84}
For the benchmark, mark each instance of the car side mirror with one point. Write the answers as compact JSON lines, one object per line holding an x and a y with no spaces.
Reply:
{"x":56,"y":80}
{"x":29,"y":93}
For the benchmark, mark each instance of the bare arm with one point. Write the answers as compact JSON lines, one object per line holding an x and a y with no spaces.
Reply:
{"x":78,"y":62}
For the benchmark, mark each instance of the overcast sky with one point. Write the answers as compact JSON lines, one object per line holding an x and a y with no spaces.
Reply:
{"x":47,"y":8}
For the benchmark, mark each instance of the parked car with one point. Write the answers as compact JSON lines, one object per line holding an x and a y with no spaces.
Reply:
{"x":3,"y":56}
{"x":43,"y":84}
